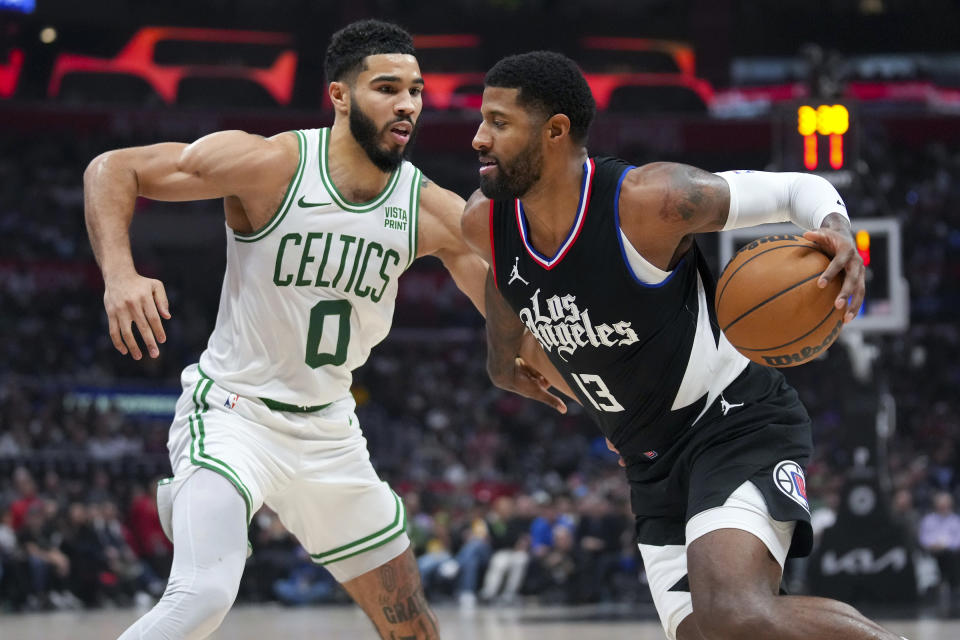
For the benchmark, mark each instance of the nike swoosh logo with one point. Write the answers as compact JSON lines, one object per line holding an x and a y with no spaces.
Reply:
{"x":303,"y":203}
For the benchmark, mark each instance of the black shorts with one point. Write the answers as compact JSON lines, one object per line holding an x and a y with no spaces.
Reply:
{"x":757,"y":430}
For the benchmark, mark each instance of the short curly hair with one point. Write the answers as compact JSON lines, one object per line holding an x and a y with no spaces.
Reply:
{"x":350,"y":45}
{"x":551,"y":83}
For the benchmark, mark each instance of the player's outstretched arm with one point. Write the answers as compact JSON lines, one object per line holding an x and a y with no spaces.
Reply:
{"x":664,"y":202}
{"x":224,"y":164}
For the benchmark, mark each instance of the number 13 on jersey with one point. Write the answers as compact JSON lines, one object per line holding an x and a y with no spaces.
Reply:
{"x":596,"y":391}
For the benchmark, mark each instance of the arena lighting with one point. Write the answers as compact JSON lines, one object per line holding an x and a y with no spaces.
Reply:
{"x":48,"y":35}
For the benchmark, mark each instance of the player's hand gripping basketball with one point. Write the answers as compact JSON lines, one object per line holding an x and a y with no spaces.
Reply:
{"x":838,"y":243}
{"x":135,"y":300}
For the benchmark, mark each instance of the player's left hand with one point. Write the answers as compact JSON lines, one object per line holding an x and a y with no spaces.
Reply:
{"x":529,"y":382}
{"x":840,"y":246}
{"x":616,"y":451}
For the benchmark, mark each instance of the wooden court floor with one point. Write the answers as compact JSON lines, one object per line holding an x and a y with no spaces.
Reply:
{"x":335,"y":622}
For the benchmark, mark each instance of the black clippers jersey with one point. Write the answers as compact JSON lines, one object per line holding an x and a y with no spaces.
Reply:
{"x":645,"y":360}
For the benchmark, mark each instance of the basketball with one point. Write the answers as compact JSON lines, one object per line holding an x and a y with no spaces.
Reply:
{"x":769,"y":305}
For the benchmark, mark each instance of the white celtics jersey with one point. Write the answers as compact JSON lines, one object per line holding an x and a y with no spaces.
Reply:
{"x":306,"y":297}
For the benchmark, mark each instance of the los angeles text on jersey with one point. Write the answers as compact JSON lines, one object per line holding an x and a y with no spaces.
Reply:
{"x":562,"y":325}
{"x":335,"y":260}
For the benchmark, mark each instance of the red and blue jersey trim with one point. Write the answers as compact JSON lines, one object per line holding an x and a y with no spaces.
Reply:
{"x":584,"y":204}
{"x":493,"y":252}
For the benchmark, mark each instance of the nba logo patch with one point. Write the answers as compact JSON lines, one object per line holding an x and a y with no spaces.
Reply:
{"x":789,"y":478}
{"x":650,"y":455}
{"x":231,"y":401}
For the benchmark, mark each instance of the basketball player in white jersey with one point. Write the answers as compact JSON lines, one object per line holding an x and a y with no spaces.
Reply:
{"x":320,"y":224}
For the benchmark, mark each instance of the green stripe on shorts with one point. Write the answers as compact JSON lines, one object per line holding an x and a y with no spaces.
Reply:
{"x":368,"y":543}
{"x":200,"y":457}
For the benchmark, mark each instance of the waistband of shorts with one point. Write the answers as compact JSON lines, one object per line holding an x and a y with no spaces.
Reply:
{"x":276,"y":405}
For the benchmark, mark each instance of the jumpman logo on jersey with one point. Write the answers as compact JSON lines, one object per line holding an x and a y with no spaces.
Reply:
{"x":726,"y":406}
{"x":515,"y":274}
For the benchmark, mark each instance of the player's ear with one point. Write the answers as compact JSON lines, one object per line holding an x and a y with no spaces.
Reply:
{"x":558,"y":125}
{"x":339,"y":92}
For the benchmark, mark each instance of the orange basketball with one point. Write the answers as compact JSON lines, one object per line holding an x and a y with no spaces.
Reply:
{"x":769,"y":305}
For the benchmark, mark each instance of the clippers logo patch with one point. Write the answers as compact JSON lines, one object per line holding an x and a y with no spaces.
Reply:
{"x":789,"y":478}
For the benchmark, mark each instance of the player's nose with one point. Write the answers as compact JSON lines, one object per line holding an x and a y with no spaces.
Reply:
{"x":481,"y":140}
{"x":405,"y":105}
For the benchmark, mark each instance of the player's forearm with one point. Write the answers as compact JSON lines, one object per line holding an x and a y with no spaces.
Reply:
{"x":504,"y":333}
{"x":469,"y":273}
{"x":109,"y":194}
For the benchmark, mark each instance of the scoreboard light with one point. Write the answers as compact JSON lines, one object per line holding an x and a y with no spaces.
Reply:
{"x":832,"y":121}
{"x":817,"y":137}
{"x":863,"y":246}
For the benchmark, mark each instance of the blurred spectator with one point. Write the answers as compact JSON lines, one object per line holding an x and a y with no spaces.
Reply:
{"x":45,"y":570}
{"x":307,"y":583}
{"x":940,"y":535}
{"x":27,"y":497}
{"x":84,"y":550}
{"x":598,"y":554}
{"x":472,"y":557}
{"x":905,"y":514}
{"x":509,"y":524}
{"x":147,"y":538}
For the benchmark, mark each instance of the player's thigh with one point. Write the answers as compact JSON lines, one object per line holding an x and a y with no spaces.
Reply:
{"x":210,"y":430}
{"x":346,"y":518}
{"x":735,"y":557}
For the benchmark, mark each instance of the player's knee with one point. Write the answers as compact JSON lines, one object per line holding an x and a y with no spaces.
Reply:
{"x":733,"y":616}
{"x":200,"y":604}
{"x":213,"y":601}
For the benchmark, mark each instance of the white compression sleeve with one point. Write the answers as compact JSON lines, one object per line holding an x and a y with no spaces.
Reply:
{"x":758,"y":197}
{"x":210,"y":550}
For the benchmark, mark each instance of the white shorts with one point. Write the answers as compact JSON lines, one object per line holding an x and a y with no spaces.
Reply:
{"x":313,"y":469}
{"x":667,"y":565}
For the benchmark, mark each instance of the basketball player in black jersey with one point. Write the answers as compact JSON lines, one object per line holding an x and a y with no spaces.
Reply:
{"x":597,"y":260}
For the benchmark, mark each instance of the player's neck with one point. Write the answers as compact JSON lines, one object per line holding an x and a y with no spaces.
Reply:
{"x":550,"y":206}
{"x":349,"y":167}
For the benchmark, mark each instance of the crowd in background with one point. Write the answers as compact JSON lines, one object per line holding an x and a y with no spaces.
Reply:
{"x":505,"y":499}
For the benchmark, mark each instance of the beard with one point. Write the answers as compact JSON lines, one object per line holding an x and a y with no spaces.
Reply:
{"x":514,"y":180}
{"x":365,"y":132}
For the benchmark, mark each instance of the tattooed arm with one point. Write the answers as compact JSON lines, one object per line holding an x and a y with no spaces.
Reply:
{"x":664,"y":203}
{"x":504,"y":335}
